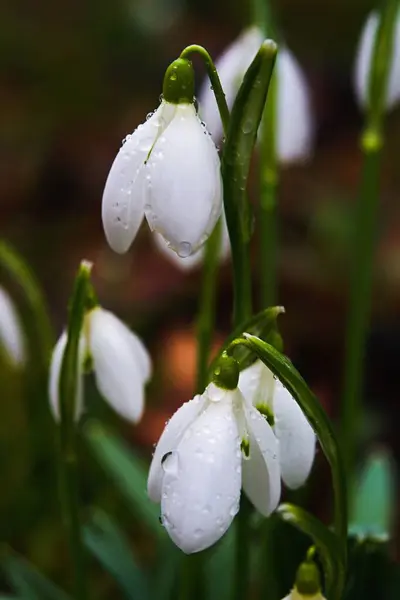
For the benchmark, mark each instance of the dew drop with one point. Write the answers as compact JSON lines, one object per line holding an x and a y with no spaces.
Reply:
{"x":184,"y":249}
{"x":173,"y":77}
{"x":198,"y":533}
{"x":247,"y":126}
{"x":170,"y":463}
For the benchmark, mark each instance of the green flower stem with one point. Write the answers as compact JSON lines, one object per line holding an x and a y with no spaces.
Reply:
{"x":206,"y":314}
{"x":82,"y":297}
{"x":365,"y":233}
{"x":268,"y":202}
{"x":214,"y":79}
{"x":18,"y":270}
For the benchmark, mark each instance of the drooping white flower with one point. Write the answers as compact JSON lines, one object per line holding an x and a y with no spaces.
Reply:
{"x":363,"y":62}
{"x":212,"y":446}
{"x":11,"y":336}
{"x":294,"y":433}
{"x":168,"y":170}
{"x":294,"y":118}
{"x":194,"y":260}
{"x":121,"y":365}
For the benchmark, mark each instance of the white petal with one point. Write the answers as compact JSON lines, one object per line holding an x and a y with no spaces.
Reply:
{"x":11,"y":336}
{"x":169,"y":440}
{"x":295,"y":123}
{"x":296,"y":438}
{"x":185,"y":193}
{"x":363,"y":63}
{"x":118,"y":366}
{"x":184,"y":264}
{"x":194,"y":260}
{"x":261,"y":472}
{"x":202,"y":480}
{"x":231,"y":66}
{"x":124,"y":194}
{"x":257,"y":384}
{"x":54,"y":377}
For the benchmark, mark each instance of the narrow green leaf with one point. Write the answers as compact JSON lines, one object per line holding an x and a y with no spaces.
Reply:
{"x":127,"y":471}
{"x":219,"y":565}
{"x":27,"y":581}
{"x":167,"y":571}
{"x":263,"y":325}
{"x":281,"y":366}
{"x":374,"y":499}
{"x":242,"y":133}
{"x":325,"y":541}
{"x":109,"y":545}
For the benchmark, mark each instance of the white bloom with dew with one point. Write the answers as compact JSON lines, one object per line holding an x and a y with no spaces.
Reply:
{"x":294,"y":118}
{"x":168,"y":170}
{"x":194,"y":260}
{"x":198,"y":467}
{"x":363,"y":63}
{"x":294,"y":433}
{"x":11,"y":334}
{"x":121,"y":365}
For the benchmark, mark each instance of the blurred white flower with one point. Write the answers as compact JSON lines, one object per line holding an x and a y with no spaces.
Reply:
{"x":363,"y":63}
{"x":11,"y":334}
{"x":194,"y":260}
{"x":120,"y":361}
{"x":168,"y":170}
{"x":294,"y":118}
{"x":295,"y":435}
{"x":212,"y":446}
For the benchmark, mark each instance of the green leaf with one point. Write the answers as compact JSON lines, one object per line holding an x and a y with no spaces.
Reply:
{"x":219,"y":565}
{"x":167,"y":571}
{"x":27,"y":582}
{"x":325,"y":541}
{"x":374,"y":499}
{"x":242,"y":133}
{"x":263,"y":325}
{"x":281,"y":366}
{"x":109,"y":545}
{"x":128,"y":473}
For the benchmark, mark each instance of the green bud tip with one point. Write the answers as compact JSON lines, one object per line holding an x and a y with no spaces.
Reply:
{"x":226,"y":373}
{"x":308,"y":582}
{"x":178,"y":87}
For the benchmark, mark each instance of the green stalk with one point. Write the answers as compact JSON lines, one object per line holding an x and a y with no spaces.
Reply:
{"x":19,"y":271}
{"x":81,"y":298}
{"x":365,"y":233}
{"x":206,"y":314}
{"x":214,"y":79}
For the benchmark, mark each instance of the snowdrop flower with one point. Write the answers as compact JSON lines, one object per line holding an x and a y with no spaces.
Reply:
{"x":212,"y":446}
{"x":364,"y":58}
{"x":294,"y":119}
{"x":193,"y":261}
{"x":11,"y":336}
{"x":295,"y":435}
{"x":120,"y":362}
{"x":168,"y":170}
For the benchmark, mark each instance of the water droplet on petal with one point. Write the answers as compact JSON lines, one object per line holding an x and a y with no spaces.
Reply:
{"x":198,"y":532}
{"x":170,"y":463}
{"x":184,"y":249}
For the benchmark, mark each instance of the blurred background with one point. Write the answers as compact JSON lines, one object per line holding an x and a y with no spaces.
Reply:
{"x":75,"y":78}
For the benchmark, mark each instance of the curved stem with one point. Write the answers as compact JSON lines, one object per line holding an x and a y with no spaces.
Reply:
{"x":365,"y":233}
{"x":82,"y":297}
{"x":19,"y":271}
{"x":214,"y":79}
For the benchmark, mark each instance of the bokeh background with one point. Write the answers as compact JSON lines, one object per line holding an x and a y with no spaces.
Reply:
{"x":75,"y":78}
